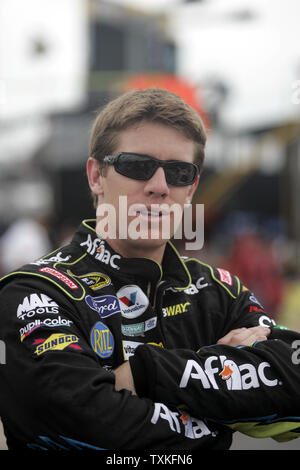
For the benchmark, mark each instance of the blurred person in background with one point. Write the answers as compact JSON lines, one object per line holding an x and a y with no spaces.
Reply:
{"x":27,"y":236}
{"x":253,"y":259}
{"x":117,"y":342}
{"x":25,"y":239}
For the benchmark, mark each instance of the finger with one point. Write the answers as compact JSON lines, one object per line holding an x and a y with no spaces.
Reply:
{"x":263,"y":329}
{"x":247,"y":341}
{"x":227,"y":338}
{"x":257,"y":338}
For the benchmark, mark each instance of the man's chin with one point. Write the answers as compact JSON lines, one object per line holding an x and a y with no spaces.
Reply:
{"x":148,"y":241}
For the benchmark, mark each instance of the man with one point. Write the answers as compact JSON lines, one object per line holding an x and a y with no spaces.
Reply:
{"x":120,"y":292}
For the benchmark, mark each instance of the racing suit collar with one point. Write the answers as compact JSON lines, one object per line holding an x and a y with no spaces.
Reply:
{"x":172,"y":269}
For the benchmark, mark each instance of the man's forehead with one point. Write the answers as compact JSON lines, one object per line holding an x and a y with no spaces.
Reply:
{"x":157,"y":140}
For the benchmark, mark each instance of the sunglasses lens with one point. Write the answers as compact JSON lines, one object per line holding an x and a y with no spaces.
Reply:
{"x":137,"y":167}
{"x":142,"y":167}
{"x":180,"y":173}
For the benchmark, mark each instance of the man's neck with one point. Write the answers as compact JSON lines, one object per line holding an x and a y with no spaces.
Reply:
{"x":128,"y":248}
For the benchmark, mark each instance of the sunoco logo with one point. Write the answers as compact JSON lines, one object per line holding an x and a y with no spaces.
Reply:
{"x":36,"y":304}
{"x":57,"y":341}
{"x":236,"y":377}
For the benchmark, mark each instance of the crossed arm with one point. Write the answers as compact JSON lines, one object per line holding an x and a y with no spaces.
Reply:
{"x":237,"y":337}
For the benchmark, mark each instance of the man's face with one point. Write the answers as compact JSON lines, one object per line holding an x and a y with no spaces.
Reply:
{"x":145,"y":198}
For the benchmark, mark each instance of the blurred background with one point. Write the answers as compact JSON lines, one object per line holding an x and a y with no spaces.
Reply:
{"x":236,"y":61}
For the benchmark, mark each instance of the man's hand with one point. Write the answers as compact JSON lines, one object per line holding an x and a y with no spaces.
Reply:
{"x":245,"y":336}
{"x":124,"y":378}
{"x":238,"y":337}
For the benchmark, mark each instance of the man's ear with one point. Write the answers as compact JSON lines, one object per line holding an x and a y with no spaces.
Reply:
{"x":95,"y":176}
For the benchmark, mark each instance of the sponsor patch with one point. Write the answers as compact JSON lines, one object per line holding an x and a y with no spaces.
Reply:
{"x":264,"y":320}
{"x":180,"y":422}
{"x":57,"y":341}
{"x":129,"y":348}
{"x":133,"y":301}
{"x":53,"y":259}
{"x":95,"y":281}
{"x":36,"y":304}
{"x":151,"y":323}
{"x":236,"y":377}
{"x":105,"y":305}
{"x":138,"y":329}
{"x":193,"y":288}
{"x":102,"y":340}
{"x":255,"y":309}
{"x":176,"y":309}
{"x":96,"y":248}
{"x":48,"y":322}
{"x":226,"y":373}
{"x":62,"y":277}
{"x":225,"y":276}
{"x":254,"y":299}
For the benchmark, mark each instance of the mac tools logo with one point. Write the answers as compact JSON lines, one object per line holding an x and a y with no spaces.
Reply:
{"x":133,"y":301}
{"x":36,"y":304}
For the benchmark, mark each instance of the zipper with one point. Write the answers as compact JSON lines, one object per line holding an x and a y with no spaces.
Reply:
{"x":158,"y":310}
{"x":155,"y":292}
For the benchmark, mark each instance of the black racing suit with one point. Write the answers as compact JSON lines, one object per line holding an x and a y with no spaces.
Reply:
{"x":71,"y":317}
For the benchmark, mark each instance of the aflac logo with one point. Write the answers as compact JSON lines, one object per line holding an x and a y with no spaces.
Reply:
{"x":97,"y":248}
{"x":133,"y":301}
{"x":236,"y":377}
{"x":105,"y":305}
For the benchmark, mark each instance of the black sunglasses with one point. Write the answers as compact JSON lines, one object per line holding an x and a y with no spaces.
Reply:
{"x":142,"y":167}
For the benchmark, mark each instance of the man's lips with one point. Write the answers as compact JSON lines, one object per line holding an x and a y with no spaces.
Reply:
{"x":154,"y":212}
{"x":153,"y":215}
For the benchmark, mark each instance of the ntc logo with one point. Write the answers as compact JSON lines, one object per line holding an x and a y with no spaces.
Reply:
{"x":129,"y":301}
{"x":236,"y":377}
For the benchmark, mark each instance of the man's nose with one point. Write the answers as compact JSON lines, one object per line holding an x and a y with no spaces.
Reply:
{"x":157,"y":184}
